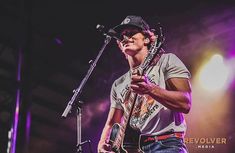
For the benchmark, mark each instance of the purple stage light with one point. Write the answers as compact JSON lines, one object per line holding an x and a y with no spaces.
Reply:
{"x":58,"y":41}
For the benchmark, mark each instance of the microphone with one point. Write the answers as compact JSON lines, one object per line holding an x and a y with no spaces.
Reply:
{"x":112,"y":33}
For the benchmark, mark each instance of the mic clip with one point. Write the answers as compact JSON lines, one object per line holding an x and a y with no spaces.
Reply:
{"x":111,"y":33}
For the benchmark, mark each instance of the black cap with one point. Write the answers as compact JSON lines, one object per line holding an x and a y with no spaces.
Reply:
{"x":132,"y":20}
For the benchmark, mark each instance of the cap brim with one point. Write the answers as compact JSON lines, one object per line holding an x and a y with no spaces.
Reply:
{"x":120,"y":27}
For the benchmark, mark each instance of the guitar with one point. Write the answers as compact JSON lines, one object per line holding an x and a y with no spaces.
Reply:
{"x":118,"y":130}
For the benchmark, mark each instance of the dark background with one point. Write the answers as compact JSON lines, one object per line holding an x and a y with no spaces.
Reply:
{"x":58,"y":39}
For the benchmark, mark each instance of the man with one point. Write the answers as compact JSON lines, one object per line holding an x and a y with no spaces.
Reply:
{"x":163,"y":93}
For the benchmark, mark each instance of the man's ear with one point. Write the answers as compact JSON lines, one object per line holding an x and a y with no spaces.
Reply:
{"x":146,"y":41}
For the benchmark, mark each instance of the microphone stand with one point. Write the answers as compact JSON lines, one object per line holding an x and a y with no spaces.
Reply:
{"x":77,"y":92}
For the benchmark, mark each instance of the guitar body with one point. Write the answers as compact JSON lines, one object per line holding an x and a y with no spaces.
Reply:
{"x":113,"y":139}
{"x":130,"y":143}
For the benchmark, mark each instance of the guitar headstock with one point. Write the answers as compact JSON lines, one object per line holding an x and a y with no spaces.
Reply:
{"x":158,"y":32}
{"x":155,"y":48}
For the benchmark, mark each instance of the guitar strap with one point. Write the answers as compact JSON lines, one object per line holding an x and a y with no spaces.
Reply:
{"x":158,"y":56}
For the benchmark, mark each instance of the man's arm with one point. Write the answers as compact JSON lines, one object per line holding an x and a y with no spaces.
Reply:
{"x":114,"y":116}
{"x":176,"y":97}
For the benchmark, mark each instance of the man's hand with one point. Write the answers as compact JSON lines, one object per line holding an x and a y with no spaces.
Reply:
{"x":104,"y":147}
{"x":141,"y":85}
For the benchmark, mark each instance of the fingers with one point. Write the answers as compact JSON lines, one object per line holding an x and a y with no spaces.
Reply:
{"x":137,"y":78}
{"x":139,"y":84}
{"x":139,"y":90}
{"x":120,"y":45}
{"x":105,"y":148}
{"x":104,"y":151}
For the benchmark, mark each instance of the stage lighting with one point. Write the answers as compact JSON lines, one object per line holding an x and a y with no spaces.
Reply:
{"x":214,"y":74}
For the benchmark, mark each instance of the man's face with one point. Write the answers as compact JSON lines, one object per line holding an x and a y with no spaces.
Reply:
{"x":132,"y":40}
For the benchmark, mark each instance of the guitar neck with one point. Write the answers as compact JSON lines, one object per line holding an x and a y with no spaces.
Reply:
{"x":129,"y":103}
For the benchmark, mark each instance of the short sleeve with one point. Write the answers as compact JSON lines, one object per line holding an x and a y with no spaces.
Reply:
{"x":115,"y":103}
{"x":175,"y":68}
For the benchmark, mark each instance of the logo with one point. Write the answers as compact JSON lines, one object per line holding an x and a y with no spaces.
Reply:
{"x":126,"y":21}
{"x":206,"y":143}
